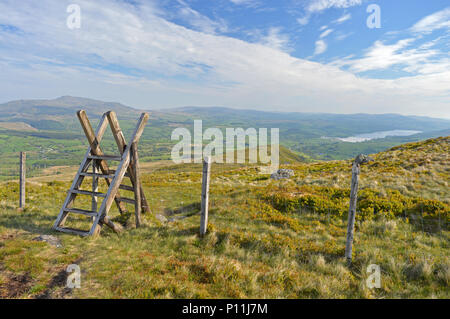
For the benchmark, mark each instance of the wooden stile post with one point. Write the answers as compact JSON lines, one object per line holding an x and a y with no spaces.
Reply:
{"x":23,"y":168}
{"x":137,"y":185}
{"x":94,"y":204}
{"x":360,"y":159}
{"x":205,"y":195}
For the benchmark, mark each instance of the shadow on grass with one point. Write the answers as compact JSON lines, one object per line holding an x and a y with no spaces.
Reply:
{"x":59,"y":280}
{"x":187,"y":210}
{"x":187,"y":232}
{"x":29,"y":222}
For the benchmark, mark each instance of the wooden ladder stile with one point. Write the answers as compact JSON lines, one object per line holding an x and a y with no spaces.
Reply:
{"x":94,"y":157}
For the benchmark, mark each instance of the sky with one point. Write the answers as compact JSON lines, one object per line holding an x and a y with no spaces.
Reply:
{"x":334,"y":56}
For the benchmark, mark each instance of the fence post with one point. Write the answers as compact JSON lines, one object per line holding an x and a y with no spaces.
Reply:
{"x":360,"y":159}
{"x":205,"y":195}
{"x":22,"y":179}
{"x":137,"y":185}
{"x":440,"y":228}
{"x":421,"y":217}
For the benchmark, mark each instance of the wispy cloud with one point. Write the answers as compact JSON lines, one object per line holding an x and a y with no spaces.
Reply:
{"x":325,"y":33}
{"x":312,"y":7}
{"x":199,"y":21}
{"x":381,"y":56}
{"x":249,"y":3}
{"x":320,"y":5}
{"x":276,"y":39}
{"x":321,"y":47}
{"x":343,"y":18}
{"x":341,"y":35}
{"x":437,"y":20}
{"x":303,"y":20}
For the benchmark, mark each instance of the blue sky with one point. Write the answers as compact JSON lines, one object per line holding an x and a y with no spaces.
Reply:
{"x":291,"y":55}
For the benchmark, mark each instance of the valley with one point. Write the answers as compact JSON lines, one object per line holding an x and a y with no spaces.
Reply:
{"x":49,"y":132}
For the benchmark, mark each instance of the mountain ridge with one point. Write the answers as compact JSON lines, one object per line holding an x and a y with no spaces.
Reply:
{"x":98,"y":107}
{"x":61,"y":103}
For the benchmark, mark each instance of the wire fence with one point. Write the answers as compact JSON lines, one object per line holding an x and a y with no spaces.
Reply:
{"x":188,"y":201}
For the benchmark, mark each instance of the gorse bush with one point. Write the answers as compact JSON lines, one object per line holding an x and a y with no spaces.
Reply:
{"x":371,"y":203}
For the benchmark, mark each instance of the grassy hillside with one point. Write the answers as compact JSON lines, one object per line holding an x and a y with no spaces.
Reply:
{"x":266,"y":239}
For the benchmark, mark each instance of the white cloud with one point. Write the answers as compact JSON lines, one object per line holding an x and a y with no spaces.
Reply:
{"x":341,"y":36}
{"x":437,"y":20}
{"x":303,"y":20}
{"x":325,"y":33}
{"x":430,"y":67}
{"x":199,"y":21}
{"x":245,"y":2}
{"x":320,"y":5}
{"x":321,"y":47}
{"x":317,"y":6}
{"x":275,"y":39}
{"x":141,"y":59}
{"x":343,"y":18}
{"x":380,"y":56}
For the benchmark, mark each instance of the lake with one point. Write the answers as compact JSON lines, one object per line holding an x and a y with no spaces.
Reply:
{"x":375,"y":135}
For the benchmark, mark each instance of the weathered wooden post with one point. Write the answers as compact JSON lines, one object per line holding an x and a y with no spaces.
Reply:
{"x":205,"y":195}
{"x":94,"y":201}
{"x":23,"y":168}
{"x":360,"y":159}
{"x":137,"y":185}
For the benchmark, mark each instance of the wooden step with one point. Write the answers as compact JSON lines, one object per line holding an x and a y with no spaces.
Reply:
{"x":106,"y":157}
{"x":126,"y":200}
{"x":72,"y":231}
{"x":97,"y":194}
{"x":126,"y":187}
{"x":97,"y":175}
{"x":81,"y":211}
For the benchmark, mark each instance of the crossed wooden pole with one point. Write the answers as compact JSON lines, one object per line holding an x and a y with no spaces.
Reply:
{"x":128,"y":166}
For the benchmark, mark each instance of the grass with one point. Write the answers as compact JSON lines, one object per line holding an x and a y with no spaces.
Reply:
{"x":253,"y":249}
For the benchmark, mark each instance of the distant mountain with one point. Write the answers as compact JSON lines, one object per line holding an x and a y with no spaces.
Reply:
{"x":313,"y":124}
{"x":58,"y":114}
{"x":59,"y":107}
